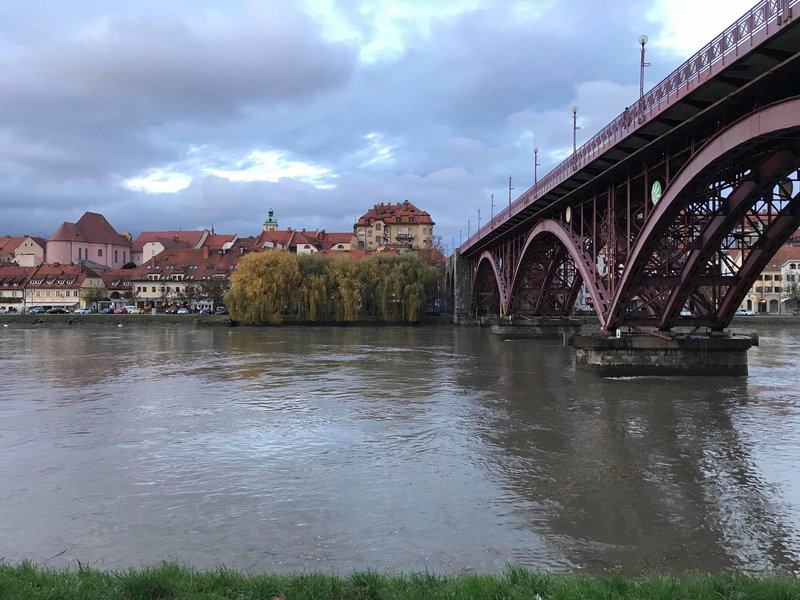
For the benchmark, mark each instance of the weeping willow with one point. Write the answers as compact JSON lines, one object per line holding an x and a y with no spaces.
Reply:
{"x":270,"y":285}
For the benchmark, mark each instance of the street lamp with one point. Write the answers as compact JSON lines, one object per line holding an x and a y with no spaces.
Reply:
{"x":535,"y":165}
{"x":574,"y":128}
{"x":492,"y":208}
{"x":642,"y":65}
{"x":468,"y":236}
{"x":479,"y":219}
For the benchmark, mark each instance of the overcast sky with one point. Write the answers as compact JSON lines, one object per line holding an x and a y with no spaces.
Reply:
{"x":193,"y":113}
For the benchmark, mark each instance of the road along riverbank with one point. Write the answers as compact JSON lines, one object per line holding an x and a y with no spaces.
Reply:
{"x":177,"y":582}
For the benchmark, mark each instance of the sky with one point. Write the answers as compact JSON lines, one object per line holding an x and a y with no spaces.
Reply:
{"x":194,"y":114}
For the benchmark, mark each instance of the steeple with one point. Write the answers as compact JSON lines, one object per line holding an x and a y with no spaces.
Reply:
{"x":270,"y":223}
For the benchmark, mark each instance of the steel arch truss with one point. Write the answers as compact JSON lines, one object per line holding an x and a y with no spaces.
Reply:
{"x":719,"y":222}
{"x":489,"y":297}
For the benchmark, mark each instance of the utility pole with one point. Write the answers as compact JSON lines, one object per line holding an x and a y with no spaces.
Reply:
{"x":509,"y":190}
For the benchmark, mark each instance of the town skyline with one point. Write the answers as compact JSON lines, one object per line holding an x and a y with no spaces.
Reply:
{"x":315,"y":111}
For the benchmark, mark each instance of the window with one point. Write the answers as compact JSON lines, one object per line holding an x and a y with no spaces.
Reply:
{"x":38,"y":293}
{"x":397,"y":220}
{"x":79,"y":254}
{"x":778,"y":289}
{"x":99,"y":252}
{"x":767,"y":289}
{"x":47,"y":293}
{"x":777,"y":277}
{"x":759,"y":289}
{"x":377,"y":226}
{"x":153,"y":288}
{"x":124,"y":254}
{"x":116,"y":258}
{"x":410,"y":219}
{"x":369,"y":232}
{"x":793,"y":266}
{"x":767,"y":277}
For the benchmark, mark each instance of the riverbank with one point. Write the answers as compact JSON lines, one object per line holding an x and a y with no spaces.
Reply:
{"x":160,"y":319}
{"x":176,"y":582}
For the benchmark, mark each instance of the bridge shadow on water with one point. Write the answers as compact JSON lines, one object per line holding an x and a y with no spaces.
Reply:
{"x":639,"y":475}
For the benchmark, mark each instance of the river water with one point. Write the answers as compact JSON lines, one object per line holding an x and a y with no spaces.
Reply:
{"x":398,"y":449}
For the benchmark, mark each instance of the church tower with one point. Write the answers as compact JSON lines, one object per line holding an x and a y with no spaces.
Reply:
{"x":270,"y":223}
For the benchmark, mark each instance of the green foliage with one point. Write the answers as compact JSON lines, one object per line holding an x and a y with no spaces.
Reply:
{"x":91,"y":296}
{"x":212,"y":289}
{"x":167,"y":580}
{"x":319,"y":288}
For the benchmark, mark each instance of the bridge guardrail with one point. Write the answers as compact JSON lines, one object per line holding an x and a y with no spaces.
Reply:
{"x":751,"y":29}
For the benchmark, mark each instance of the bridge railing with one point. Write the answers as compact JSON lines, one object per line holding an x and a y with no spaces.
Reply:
{"x":751,"y":29}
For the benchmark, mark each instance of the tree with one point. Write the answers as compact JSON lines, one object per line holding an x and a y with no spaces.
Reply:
{"x":129,"y":265}
{"x":188,"y":295}
{"x":91,"y":296}
{"x":263,"y":287}
{"x":213,"y":289}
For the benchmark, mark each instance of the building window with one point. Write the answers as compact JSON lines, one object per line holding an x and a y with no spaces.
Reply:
{"x":767,"y":277}
{"x":116,"y":258}
{"x":369,"y":232}
{"x":397,"y":220}
{"x":123,"y":256}
{"x":778,"y":289}
{"x":38,"y":293}
{"x":79,"y":254}
{"x":759,"y":289}
{"x":377,"y":226}
{"x":99,"y":252}
{"x":47,"y":293}
{"x":153,"y":288}
{"x":777,"y":277}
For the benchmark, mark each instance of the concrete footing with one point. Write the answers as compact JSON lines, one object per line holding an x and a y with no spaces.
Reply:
{"x":537,"y":328}
{"x":663,"y":354}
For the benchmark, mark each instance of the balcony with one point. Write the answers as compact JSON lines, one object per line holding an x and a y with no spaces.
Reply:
{"x":404,"y":236}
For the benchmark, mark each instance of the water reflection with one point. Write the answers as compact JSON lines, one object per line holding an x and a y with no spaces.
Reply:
{"x":391,"y":448}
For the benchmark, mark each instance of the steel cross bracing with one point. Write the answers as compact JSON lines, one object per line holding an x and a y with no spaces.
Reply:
{"x":726,"y":158}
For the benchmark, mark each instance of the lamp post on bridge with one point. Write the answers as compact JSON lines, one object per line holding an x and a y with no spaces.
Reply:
{"x":509,"y":191}
{"x":468,"y":229}
{"x":574,"y":129}
{"x":492,"y":221}
{"x":535,"y":165}
{"x":479,"y":219}
{"x":642,"y":65}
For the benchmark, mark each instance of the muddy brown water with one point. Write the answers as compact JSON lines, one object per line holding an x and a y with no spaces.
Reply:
{"x":397,"y":449}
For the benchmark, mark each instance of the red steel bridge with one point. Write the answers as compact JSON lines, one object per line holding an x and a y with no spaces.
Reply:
{"x":678,"y":203}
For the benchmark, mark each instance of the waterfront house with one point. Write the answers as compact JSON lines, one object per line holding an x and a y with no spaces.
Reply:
{"x":12,"y":286}
{"x":60,"y":285}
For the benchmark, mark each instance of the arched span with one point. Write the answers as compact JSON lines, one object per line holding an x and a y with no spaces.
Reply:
{"x":487,"y":258}
{"x":584,"y":262}
{"x":771,"y":119}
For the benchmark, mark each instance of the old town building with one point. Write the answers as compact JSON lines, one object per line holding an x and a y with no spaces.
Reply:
{"x":400,"y":225}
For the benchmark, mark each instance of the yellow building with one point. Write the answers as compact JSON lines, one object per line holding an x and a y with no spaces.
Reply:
{"x":394,"y":225}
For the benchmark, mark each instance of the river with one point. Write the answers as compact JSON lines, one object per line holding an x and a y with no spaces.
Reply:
{"x":397,"y":449}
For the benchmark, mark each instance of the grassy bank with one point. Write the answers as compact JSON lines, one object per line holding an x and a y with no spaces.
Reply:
{"x":170,"y":581}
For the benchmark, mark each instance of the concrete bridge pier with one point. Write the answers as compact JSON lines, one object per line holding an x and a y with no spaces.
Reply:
{"x":537,"y":328}
{"x":663,"y":353}
{"x":460,"y":272}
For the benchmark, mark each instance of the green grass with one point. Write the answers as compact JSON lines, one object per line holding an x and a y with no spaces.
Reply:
{"x":170,"y":581}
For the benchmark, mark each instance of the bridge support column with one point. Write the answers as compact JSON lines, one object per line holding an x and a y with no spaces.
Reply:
{"x":538,"y":328}
{"x":462,"y":287}
{"x":663,"y":354}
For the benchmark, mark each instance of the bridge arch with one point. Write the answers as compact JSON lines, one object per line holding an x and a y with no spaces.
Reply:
{"x":580,"y":255}
{"x":735,"y":141}
{"x":488,"y":287}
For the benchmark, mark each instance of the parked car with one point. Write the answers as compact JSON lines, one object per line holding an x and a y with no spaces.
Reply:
{"x":171,"y":310}
{"x":221,"y":310}
{"x":83,"y":311}
{"x":107,"y":310}
{"x":121,"y":311}
{"x":3,"y":310}
{"x":742,"y":312}
{"x":135,"y":311}
{"x":37,"y":310}
{"x":57,"y":310}
{"x":205,"y":311}
{"x":183,"y":311}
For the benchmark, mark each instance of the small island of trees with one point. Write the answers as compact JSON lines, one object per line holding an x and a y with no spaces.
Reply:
{"x":275,"y":286}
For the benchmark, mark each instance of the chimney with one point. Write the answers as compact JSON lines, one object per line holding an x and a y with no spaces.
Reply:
{"x":205,"y":251}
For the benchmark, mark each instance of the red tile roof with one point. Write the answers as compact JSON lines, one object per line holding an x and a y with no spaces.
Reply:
{"x":390,"y":213}
{"x":14,"y":276}
{"x":60,"y":276}
{"x":10,"y":243}
{"x":91,"y":228}
{"x":192,"y":238}
{"x":216,"y":241}
{"x":194,"y":264}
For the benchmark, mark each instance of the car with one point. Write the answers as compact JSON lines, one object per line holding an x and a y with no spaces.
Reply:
{"x":742,"y":312}
{"x":57,"y":310}
{"x":3,"y":310}
{"x":171,"y":310}
{"x":221,"y":310}
{"x":83,"y":311}
{"x":107,"y":310}
{"x":205,"y":311}
{"x":135,"y":311}
{"x":121,"y":311}
{"x":37,"y":310}
{"x":183,"y":311}
{"x":796,"y":312}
